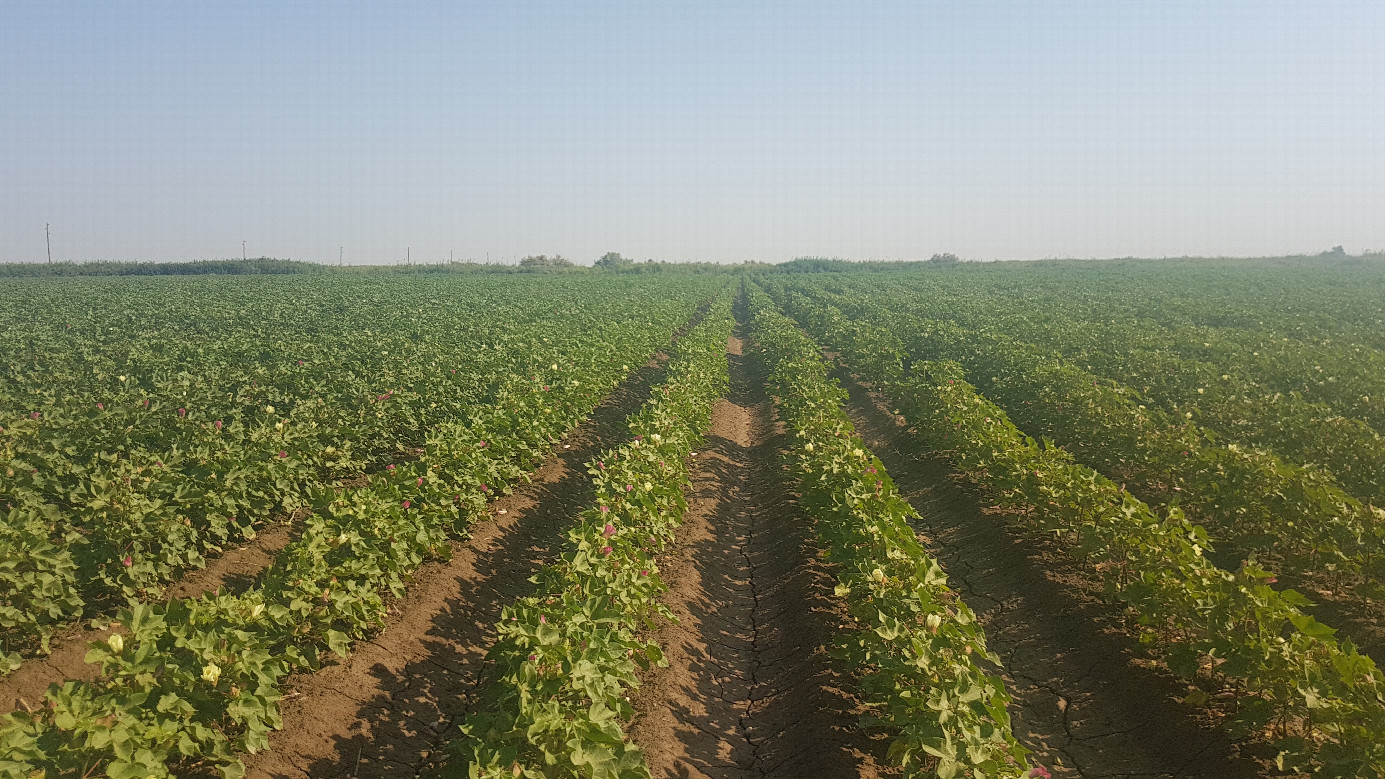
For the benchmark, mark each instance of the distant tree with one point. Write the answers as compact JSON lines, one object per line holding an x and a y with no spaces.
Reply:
{"x":542,"y":262}
{"x":612,"y":261}
{"x":946,"y":258}
{"x":1336,"y":251}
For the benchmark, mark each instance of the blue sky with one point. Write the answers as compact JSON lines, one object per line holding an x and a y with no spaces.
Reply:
{"x":690,"y":130}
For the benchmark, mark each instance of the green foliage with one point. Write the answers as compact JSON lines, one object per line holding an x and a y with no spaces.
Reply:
{"x":1317,"y":698}
{"x":568,"y":655}
{"x":253,"y":266}
{"x":918,"y":647}
{"x":543,"y":263}
{"x":149,"y":423}
{"x":187,"y":684}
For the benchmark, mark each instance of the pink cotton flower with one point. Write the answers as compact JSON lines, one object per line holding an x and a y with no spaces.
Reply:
{"x":406,"y":504}
{"x":543,"y":620}
{"x":644,"y":573}
{"x":609,"y":531}
{"x":182,"y":412}
{"x":127,"y":562}
{"x":605,"y":509}
{"x":605,"y":551}
{"x":1039,"y":772}
{"x":533,"y":658}
{"x":35,"y":415}
{"x":217,"y":424}
{"x":629,"y":487}
{"x":101,"y":406}
{"x":389,"y":467}
{"x":420,"y":481}
{"x":283,"y":454}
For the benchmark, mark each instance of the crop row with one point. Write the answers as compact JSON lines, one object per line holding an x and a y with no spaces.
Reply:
{"x":192,"y":682}
{"x":1248,"y":497}
{"x":1319,"y":700}
{"x":918,"y":645}
{"x":120,"y":482}
{"x":1310,"y":401}
{"x":567,"y":655}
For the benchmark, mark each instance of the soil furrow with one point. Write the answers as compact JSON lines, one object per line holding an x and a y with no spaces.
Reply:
{"x":1085,"y":699}
{"x":750,"y":690}
{"x":389,"y":708}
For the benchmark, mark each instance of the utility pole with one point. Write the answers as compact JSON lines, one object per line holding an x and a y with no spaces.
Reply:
{"x":48,"y":238}
{"x":340,"y":252}
{"x":242,"y":250}
{"x":408,"y":255}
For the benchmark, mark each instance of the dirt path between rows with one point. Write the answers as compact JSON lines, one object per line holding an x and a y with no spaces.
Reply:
{"x":750,"y":690}
{"x":388,"y":709}
{"x":1084,"y":699}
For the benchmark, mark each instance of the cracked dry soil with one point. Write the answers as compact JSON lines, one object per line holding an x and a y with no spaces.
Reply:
{"x":750,"y":690}
{"x":1079,"y":701}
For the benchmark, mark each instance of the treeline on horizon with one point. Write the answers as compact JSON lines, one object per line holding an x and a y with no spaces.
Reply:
{"x":610,"y":263}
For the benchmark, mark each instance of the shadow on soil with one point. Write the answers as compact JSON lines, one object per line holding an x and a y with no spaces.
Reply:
{"x":1085,"y":700}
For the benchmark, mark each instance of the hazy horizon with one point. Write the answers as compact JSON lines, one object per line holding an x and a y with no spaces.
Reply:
{"x":699,"y":131}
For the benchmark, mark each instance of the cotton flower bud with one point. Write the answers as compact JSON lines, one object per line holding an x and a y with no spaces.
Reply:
{"x":269,"y":409}
{"x":933,"y":622}
{"x":116,"y":642}
{"x":808,"y":446}
{"x":878,"y":575}
{"x":211,"y":672}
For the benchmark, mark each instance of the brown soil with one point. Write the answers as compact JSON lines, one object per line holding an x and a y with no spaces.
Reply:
{"x":386,"y":710}
{"x":235,"y":569}
{"x":750,"y":690}
{"x":1085,"y":698}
